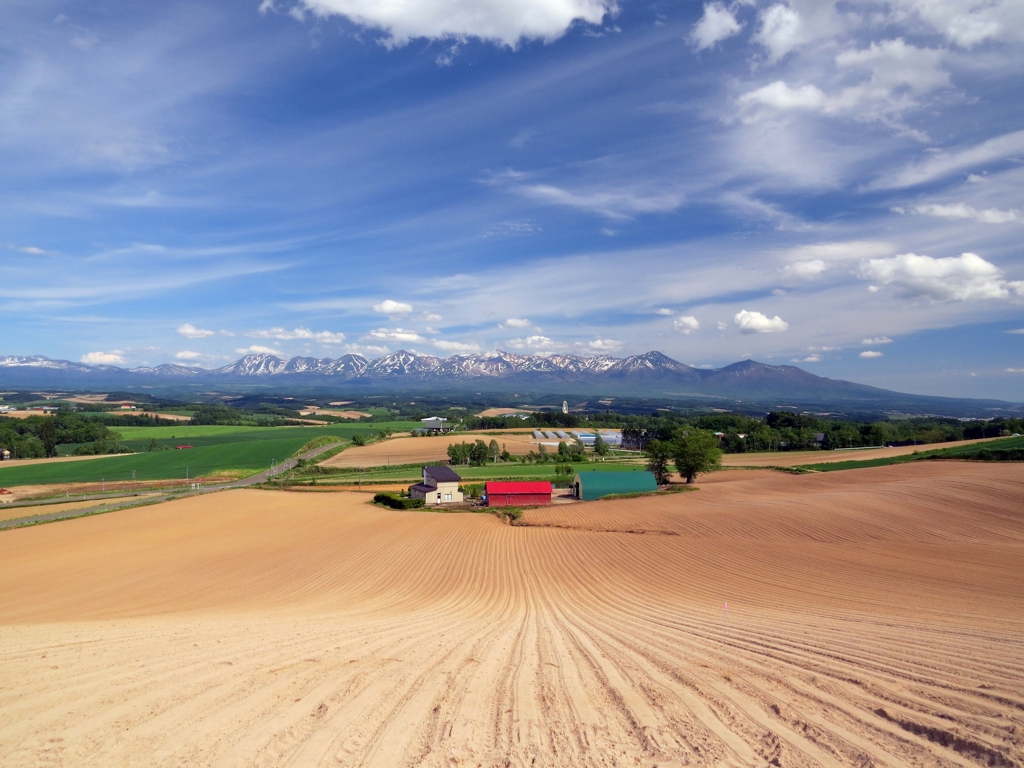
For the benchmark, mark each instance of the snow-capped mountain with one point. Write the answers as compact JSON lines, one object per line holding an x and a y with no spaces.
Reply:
{"x":646,"y":375}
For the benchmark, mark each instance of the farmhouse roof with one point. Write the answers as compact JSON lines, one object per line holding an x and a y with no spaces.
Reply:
{"x":512,"y":489}
{"x":442,"y":474}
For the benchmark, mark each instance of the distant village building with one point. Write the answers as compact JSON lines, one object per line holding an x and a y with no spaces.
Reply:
{"x":522,"y":494}
{"x":436,"y":425}
{"x":589,"y":486}
{"x":440,"y":486}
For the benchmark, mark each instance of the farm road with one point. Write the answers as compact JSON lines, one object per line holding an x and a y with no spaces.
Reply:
{"x":134,"y":500}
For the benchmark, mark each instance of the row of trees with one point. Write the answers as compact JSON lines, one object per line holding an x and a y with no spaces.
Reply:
{"x":783,"y":431}
{"x":477,"y":453}
{"x":37,"y":437}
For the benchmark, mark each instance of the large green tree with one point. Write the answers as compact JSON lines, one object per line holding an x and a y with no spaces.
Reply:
{"x":695,"y":451}
{"x":659,"y":454}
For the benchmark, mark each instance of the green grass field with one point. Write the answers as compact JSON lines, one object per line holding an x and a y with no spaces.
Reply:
{"x":244,"y":450}
{"x":1011,"y":449}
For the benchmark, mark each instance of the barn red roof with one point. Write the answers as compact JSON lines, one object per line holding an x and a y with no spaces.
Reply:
{"x":510,"y":488}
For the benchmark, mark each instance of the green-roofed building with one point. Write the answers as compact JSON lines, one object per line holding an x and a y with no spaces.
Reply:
{"x":589,"y":486}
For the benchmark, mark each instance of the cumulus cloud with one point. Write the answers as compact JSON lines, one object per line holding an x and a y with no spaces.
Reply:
{"x":967,"y":22}
{"x":876,"y":340}
{"x":963,"y":211}
{"x":103,"y":358}
{"x":686,"y":324}
{"x":369,"y":350}
{"x":533,"y":343}
{"x":755,"y":322}
{"x":717,"y":24}
{"x":283,"y":334}
{"x":665,"y":311}
{"x":455,"y":346}
{"x":187,"y":355}
{"x":505,"y":22}
{"x":189,"y":331}
{"x":805,"y":269}
{"x":257,"y":349}
{"x":517,"y":322}
{"x":954,"y":278}
{"x":604,"y":345}
{"x":781,"y":30}
{"x":399,"y":335}
{"x":808,"y":359}
{"x":898,"y":73}
{"x":428,"y":317}
{"x":870,"y":353}
{"x":389,"y":307}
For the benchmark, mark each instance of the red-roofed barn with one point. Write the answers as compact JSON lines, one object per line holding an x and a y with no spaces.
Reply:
{"x":522,"y":494}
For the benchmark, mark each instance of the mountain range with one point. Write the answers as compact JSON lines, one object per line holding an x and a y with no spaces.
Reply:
{"x":648,"y":375}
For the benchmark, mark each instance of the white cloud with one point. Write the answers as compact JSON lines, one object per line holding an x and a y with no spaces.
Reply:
{"x":186,"y":355}
{"x":189,"y":331}
{"x":805,"y":269}
{"x":686,"y":324}
{"x":876,"y":340}
{"x":103,"y":358}
{"x":899,"y":72}
{"x":717,"y":24}
{"x":283,"y":334}
{"x":755,"y":322}
{"x":455,"y":346}
{"x":963,"y":211}
{"x":895,"y":65}
{"x":517,"y":322}
{"x":428,"y":317}
{"x":722,"y":325}
{"x":665,"y":311}
{"x":870,"y":353}
{"x":369,"y":350}
{"x":619,"y":204}
{"x":533,"y":343}
{"x":604,"y":345}
{"x":257,"y":349}
{"x":1018,"y":330}
{"x":1015,"y":370}
{"x":781,"y":30}
{"x":941,"y":164}
{"x":389,"y":307}
{"x":968,"y":22}
{"x":958,"y":278}
{"x":808,"y":359}
{"x":506,"y":22}
{"x":394,"y":334}
{"x":32,"y":250}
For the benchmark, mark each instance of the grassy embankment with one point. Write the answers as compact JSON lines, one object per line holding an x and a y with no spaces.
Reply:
{"x":1010,"y":449}
{"x":218,"y":451}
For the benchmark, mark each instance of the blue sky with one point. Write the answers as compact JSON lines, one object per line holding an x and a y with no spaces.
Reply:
{"x":833,"y":184}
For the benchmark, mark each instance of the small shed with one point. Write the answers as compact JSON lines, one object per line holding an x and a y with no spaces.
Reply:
{"x":589,"y":486}
{"x":521,"y":494}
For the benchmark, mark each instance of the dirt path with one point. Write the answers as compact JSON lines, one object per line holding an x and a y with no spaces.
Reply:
{"x":876,"y":617}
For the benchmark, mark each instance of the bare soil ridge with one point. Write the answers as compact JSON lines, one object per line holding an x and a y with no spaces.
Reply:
{"x":876,"y":617}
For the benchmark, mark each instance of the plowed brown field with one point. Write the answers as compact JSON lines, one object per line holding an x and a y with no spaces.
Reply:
{"x":876,"y":618}
{"x":420,"y":450}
